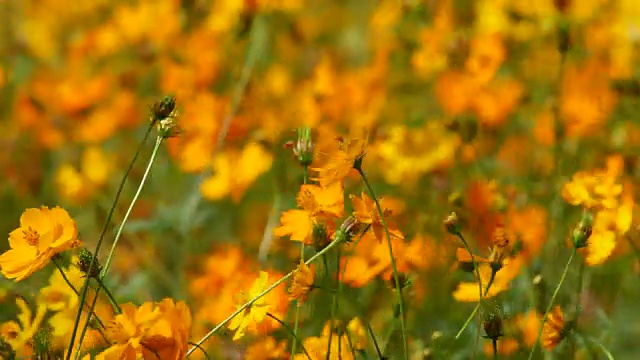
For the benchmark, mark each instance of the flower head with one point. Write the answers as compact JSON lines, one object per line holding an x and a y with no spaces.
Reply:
{"x":254,"y":313}
{"x":152,"y":331}
{"x":340,"y":160}
{"x":317,"y":205}
{"x":366,"y":212}
{"x":42,"y":234}
{"x":303,"y":279}
{"x":553,"y":331}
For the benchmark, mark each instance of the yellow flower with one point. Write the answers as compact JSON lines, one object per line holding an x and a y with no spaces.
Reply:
{"x":267,"y":349}
{"x":256,"y":312}
{"x":317,"y":205}
{"x":235,"y":172}
{"x":339,"y":346}
{"x":42,"y":234}
{"x":553,"y":329}
{"x":152,"y":331}
{"x":366,"y":212}
{"x":60,"y":299}
{"x":339,"y":161}
{"x":19,"y":335}
{"x":303,"y":279}
{"x":468,"y":291}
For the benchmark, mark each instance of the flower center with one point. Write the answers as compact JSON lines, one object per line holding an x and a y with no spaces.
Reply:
{"x":31,"y":236}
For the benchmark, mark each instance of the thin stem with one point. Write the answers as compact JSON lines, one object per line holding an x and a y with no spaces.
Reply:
{"x":297,"y":315}
{"x":475,"y":310}
{"x":393,"y":261}
{"x":206,"y":355}
{"x":495,"y":348}
{"x":473,"y":262}
{"x":334,"y":305}
{"x":375,"y":341}
{"x":105,"y":269}
{"x":577,"y":300}
{"x":553,"y":298}
{"x":85,"y":288}
{"x":112,"y":299}
{"x":291,"y":332}
{"x":66,"y":279}
{"x":339,"y":239}
{"x":346,"y":331}
{"x":605,"y":351}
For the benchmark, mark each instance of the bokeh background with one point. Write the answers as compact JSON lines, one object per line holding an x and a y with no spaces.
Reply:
{"x":481,"y":107}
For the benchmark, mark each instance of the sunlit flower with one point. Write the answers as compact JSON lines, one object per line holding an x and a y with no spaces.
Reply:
{"x":256,"y":312}
{"x":19,"y":334}
{"x":267,"y":349}
{"x":303,"y":279}
{"x":468,"y":291}
{"x":340,"y":345}
{"x":553,"y":331}
{"x":42,"y":234}
{"x":318,"y":205}
{"x":340,"y":161}
{"x":366,"y":212}
{"x":234,"y":172}
{"x":151,"y":330}
{"x":58,"y":297}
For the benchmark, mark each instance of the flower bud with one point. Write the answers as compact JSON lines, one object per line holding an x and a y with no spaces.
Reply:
{"x":493,"y":327}
{"x":84,"y":263}
{"x":451,"y":223}
{"x":582,"y":231}
{"x":163,"y":108}
{"x":303,"y":148}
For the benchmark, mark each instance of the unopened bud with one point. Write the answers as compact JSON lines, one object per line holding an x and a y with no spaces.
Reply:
{"x":582,"y":231}
{"x":163,"y":108}
{"x":493,"y":327}
{"x":451,"y":224}
{"x":84,"y":263}
{"x":303,"y":147}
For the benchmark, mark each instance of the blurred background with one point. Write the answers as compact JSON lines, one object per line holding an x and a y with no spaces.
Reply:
{"x":482,"y":107}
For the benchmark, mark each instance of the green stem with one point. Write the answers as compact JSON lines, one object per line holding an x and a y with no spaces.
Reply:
{"x":605,"y":351}
{"x":473,"y":262}
{"x":577,"y":300}
{"x":85,"y":288}
{"x":297,"y":315}
{"x":66,"y":279}
{"x":375,"y":341}
{"x":393,"y":261}
{"x":112,"y":299}
{"x":334,"y":306}
{"x":339,"y":239}
{"x":495,"y":348}
{"x":105,"y":269}
{"x":475,"y":310}
{"x":346,"y":331}
{"x":553,"y":298}
{"x":291,"y":332}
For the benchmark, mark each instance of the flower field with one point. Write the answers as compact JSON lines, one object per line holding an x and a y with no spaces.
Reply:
{"x":311,"y":180}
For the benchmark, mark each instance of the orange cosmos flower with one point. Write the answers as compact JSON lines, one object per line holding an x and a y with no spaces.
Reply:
{"x":267,"y":349}
{"x":303,"y":279}
{"x":256,"y":312}
{"x":340,"y":160}
{"x":152,"y":331}
{"x":317,"y":205}
{"x":366,"y":212}
{"x":42,"y":234}
{"x":553,"y":329}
